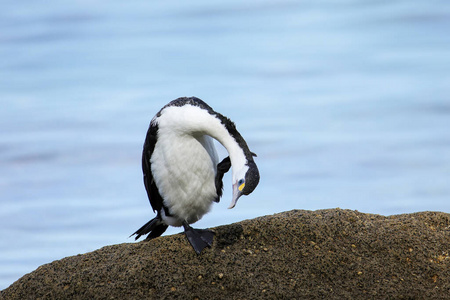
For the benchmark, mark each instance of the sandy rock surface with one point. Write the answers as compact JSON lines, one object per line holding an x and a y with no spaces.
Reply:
{"x":325,"y":254}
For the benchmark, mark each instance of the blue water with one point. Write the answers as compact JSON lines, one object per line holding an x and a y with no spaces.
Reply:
{"x":346,"y":104}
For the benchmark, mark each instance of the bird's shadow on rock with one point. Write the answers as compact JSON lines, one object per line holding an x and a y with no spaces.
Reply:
{"x":228,"y":235}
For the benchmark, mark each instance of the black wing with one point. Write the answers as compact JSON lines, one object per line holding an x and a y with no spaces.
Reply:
{"x":152,"y":191}
{"x":223,"y":167}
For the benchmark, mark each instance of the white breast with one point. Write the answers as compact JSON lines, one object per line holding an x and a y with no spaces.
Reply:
{"x":184,"y":169}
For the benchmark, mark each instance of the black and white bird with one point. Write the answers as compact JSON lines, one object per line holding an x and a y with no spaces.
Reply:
{"x":182,"y":173}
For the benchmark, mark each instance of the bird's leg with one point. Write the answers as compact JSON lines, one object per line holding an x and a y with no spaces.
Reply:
{"x":199,"y":238}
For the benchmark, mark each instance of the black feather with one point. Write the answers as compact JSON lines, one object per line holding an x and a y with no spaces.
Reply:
{"x":155,"y":227}
{"x":223,"y":167}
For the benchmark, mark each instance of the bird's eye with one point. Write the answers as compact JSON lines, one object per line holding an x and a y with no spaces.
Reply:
{"x":241,"y":184}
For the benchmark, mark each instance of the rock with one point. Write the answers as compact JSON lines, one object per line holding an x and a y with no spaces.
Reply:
{"x":325,"y":254}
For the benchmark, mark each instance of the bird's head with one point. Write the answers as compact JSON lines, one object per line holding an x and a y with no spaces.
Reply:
{"x":245,"y":179}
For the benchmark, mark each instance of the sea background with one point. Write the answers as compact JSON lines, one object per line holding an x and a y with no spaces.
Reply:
{"x":346,"y":104}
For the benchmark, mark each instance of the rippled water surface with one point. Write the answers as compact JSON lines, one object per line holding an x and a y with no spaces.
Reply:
{"x":346,"y":104}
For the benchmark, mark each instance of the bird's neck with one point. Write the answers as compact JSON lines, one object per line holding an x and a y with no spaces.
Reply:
{"x":194,"y":121}
{"x":235,"y":151}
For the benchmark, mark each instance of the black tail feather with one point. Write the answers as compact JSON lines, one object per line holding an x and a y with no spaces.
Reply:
{"x":155,"y":227}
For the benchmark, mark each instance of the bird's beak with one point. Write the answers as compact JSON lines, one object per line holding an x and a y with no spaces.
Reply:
{"x":236,"y":194}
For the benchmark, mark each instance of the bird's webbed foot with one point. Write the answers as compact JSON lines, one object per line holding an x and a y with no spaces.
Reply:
{"x":198,"y":238}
